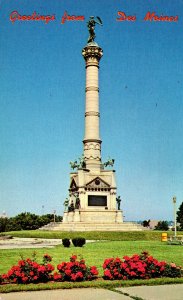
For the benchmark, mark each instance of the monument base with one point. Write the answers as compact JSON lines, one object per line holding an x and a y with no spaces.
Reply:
{"x":84,"y":226}
{"x":90,"y":216}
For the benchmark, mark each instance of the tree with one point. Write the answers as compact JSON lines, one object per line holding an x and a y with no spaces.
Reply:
{"x":48,"y":218}
{"x":3,"y":224}
{"x":145,"y":223}
{"x":26,"y":221}
{"x":180,"y":216}
{"x":162,"y":225}
{"x":12,"y":225}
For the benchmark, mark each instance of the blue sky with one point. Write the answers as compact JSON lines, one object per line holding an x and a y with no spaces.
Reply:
{"x":42,"y":75}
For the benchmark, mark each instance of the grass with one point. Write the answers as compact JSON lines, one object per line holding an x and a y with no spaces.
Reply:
{"x":115,"y":244}
{"x":95,"y":253}
{"x":92,"y":235}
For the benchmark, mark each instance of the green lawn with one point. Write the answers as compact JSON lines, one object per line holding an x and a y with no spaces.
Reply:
{"x":95,"y":253}
{"x":115,"y":244}
{"x":145,"y":235}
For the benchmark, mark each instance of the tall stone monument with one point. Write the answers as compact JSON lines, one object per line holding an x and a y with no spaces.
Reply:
{"x":92,"y":191}
{"x":92,"y":203}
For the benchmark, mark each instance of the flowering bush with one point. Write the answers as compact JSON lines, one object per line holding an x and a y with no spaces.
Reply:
{"x":28,"y":271}
{"x":75,"y":271}
{"x":141,"y":266}
{"x":171,"y":270}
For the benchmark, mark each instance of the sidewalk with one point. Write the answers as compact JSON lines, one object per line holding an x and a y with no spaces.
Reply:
{"x":70,"y":294}
{"x":161,"y":292}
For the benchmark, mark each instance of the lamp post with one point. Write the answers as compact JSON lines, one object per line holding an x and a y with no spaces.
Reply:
{"x":54,"y":213}
{"x":175,"y":221}
{"x":42,"y":209}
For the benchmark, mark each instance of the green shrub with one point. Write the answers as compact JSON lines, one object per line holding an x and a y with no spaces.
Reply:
{"x":66,"y":242}
{"x":78,"y":242}
{"x":171,"y":270}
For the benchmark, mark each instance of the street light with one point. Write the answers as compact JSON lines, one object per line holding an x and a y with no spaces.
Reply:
{"x":175,"y":219}
{"x":54,"y":213}
{"x":42,"y":209}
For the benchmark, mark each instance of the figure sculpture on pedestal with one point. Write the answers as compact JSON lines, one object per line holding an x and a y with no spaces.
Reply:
{"x":109,"y":162}
{"x":77,"y":201}
{"x":71,"y":207}
{"x":66,"y":203}
{"x":78,"y":165}
{"x":82,"y":163}
{"x":77,"y":205}
{"x":74,"y":164}
{"x":91,"y":28}
{"x":118,"y":200}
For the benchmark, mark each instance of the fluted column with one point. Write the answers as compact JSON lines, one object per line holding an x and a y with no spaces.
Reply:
{"x":92,"y":54}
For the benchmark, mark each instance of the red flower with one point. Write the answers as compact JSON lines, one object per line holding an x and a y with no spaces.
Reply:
{"x":127,"y":258}
{"x":79,"y":275}
{"x":21,"y":263}
{"x":25,"y":279}
{"x":57,"y":276}
{"x":73,"y":258}
{"x":49,"y":267}
{"x":107,"y":273}
{"x":41,"y":269}
{"x":93,"y":270}
{"x":35,"y":278}
{"x":31,"y":273}
{"x":68,"y":272}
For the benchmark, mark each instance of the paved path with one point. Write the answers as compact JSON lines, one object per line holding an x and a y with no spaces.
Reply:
{"x":16,"y":242}
{"x":71,"y":294}
{"x":161,"y":292}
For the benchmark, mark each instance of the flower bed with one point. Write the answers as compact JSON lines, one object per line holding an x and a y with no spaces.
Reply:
{"x":75,"y":271}
{"x":29,"y":271}
{"x":141,"y":266}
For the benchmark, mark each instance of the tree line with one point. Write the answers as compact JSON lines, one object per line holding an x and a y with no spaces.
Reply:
{"x":163,"y":225}
{"x":27,"y":221}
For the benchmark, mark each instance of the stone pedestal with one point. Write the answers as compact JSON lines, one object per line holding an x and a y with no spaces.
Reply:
{"x":119,"y":216}
{"x":65,"y":217}
{"x":76,"y":217}
{"x":97,"y":194}
{"x":70,"y":217}
{"x":92,"y":216}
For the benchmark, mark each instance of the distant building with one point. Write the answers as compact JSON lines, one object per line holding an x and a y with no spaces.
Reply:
{"x":153,"y":224}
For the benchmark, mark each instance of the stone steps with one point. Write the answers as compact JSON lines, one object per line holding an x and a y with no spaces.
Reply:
{"x":125,"y":226}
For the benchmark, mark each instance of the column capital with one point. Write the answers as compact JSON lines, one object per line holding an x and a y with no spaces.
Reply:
{"x":92,"y":50}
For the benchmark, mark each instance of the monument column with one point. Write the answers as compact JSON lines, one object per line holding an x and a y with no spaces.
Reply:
{"x":92,"y":54}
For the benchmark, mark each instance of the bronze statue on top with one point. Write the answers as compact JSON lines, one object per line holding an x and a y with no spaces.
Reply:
{"x":91,"y":28}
